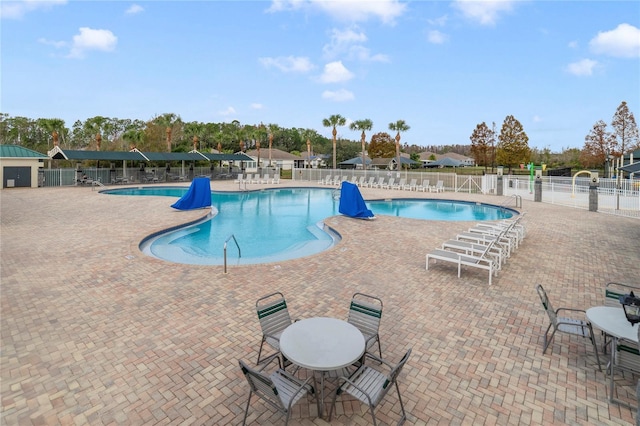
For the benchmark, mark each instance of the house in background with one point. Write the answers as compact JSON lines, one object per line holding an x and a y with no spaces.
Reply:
{"x":429,"y":157}
{"x":21,"y":167}
{"x":279,"y":160}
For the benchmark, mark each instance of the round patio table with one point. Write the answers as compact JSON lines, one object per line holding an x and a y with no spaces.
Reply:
{"x":322,"y":344}
{"x":613,"y":322}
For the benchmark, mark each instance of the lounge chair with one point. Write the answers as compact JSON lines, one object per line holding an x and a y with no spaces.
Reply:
{"x":255,"y":178}
{"x":388,"y":184}
{"x":276,"y":179}
{"x":498,"y":253}
{"x":371,"y":182}
{"x":438,"y":187}
{"x":265,"y":178}
{"x":412,"y":185}
{"x":483,"y":261}
{"x":400,"y":185}
{"x":424,"y":187}
{"x":379,"y":183}
{"x":323,"y":180}
{"x":486,"y":239}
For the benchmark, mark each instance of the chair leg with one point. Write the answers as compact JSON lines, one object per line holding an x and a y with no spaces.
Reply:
{"x":246,"y":410}
{"x":373,"y":416}
{"x":595,"y":347}
{"x":260,"y":351}
{"x":404,"y":414}
{"x":548,"y":340}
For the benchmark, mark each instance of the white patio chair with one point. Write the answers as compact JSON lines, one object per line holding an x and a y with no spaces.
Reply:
{"x":370,"y":385}
{"x":438,"y":187}
{"x":411,"y":186}
{"x":424,"y":187}
{"x":400,"y":185}
{"x":388,"y":184}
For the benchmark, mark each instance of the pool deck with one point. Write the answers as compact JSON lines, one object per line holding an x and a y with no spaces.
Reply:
{"x":95,"y":332}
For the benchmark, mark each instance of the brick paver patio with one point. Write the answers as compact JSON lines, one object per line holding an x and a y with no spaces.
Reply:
{"x":95,"y":332}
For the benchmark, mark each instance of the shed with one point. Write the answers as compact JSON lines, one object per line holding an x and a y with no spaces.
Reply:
{"x":20,"y":167}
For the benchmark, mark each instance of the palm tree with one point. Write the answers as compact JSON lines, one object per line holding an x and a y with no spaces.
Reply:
{"x":333,"y":121}
{"x":363,"y":125}
{"x":398,"y":126}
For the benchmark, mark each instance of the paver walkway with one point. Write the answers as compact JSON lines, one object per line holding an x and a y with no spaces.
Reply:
{"x":95,"y":332}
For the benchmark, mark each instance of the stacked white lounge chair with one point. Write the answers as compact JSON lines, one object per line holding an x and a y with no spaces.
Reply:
{"x":484,"y":246}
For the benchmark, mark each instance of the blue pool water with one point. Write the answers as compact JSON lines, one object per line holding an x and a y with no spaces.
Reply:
{"x":281,"y":224}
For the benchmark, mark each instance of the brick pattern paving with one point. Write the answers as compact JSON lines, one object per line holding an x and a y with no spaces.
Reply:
{"x":95,"y":332}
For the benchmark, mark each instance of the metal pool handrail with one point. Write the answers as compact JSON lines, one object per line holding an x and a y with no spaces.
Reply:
{"x":225,"y":250}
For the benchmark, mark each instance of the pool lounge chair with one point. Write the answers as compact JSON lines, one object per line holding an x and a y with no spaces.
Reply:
{"x":265,"y":178}
{"x":438,"y":187}
{"x":388,"y":184}
{"x":411,"y":186}
{"x":483,"y":261}
{"x":371,"y":182}
{"x":424,"y":187}
{"x":379,"y":183}
{"x":400,"y":185}
{"x":467,"y":247}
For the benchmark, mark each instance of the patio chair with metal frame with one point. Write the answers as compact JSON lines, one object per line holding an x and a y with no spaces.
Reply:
{"x":576,"y":327}
{"x":365,"y":313}
{"x":280,"y":389}
{"x":370,"y":385}
{"x":274,"y":318}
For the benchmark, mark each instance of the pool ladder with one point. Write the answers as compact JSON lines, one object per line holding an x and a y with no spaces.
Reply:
{"x":225,"y":250}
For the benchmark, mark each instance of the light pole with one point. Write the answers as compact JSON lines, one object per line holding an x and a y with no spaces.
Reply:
{"x":364,"y":164}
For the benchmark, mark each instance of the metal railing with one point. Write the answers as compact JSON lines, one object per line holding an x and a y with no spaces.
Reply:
{"x":225,"y":250}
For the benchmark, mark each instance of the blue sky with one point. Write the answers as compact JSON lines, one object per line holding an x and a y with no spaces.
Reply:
{"x":442,"y":66}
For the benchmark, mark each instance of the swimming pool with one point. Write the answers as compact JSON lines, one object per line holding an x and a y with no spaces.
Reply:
{"x":280,"y":224}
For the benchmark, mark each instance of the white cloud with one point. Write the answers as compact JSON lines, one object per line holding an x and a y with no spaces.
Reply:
{"x":256,"y":105}
{"x":56,"y":44}
{"x":537,"y":119}
{"x":622,"y":42}
{"x":134,"y":9}
{"x":228,"y":111}
{"x":436,"y":37}
{"x":341,"y":95}
{"x":348,"y":43}
{"x":17,"y":9}
{"x":288,"y":63}
{"x":346,"y":10}
{"x":573,"y":45}
{"x":582,"y":67}
{"x":335,"y":72}
{"x":484,"y":12}
{"x":90,"y":39}
{"x":439,"y":22}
